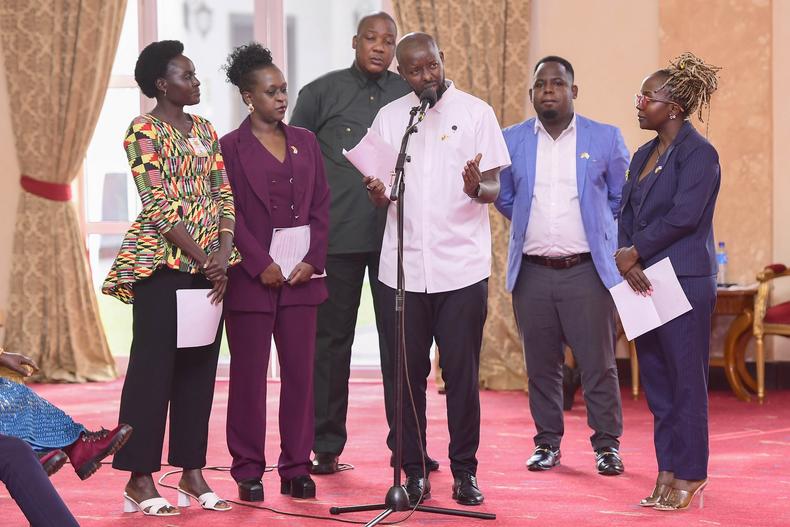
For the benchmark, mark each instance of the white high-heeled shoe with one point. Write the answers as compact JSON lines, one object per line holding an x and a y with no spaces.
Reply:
{"x":208,"y":500}
{"x":149,"y":507}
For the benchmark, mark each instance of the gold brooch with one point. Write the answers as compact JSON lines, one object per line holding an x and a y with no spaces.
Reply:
{"x":627,"y":174}
{"x":585,"y":155}
{"x":294,"y":150}
{"x":658,"y":168}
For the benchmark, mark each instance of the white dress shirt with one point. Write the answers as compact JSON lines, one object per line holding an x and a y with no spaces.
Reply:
{"x":447,"y":238}
{"x":555,"y":226}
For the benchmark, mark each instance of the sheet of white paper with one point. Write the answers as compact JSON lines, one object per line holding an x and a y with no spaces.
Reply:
{"x":640,"y":314}
{"x":198,"y":319}
{"x":373,"y":156}
{"x":637,"y":313}
{"x":289,"y":247}
{"x":668,"y":297}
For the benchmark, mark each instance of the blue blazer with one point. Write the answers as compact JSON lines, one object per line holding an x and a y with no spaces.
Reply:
{"x":675,"y":216}
{"x":601,"y":160}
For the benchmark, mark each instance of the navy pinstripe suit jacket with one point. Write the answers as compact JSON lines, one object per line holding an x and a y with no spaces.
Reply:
{"x":675,"y":216}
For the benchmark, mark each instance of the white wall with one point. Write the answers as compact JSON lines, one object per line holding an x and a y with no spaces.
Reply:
{"x":781,"y":137}
{"x":322,"y":40}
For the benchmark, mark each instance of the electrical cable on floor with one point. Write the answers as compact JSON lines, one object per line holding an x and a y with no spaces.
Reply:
{"x":341,"y":467}
{"x":271,"y":509}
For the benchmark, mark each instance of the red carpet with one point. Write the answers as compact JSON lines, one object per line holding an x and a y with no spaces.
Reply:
{"x":749,"y":469}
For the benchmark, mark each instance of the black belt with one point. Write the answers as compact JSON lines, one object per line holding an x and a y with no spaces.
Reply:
{"x":558,"y":262}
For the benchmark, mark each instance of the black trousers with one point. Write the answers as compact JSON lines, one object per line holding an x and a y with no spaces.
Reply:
{"x":337,"y":319}
{"x":160,"y":374}
{"x":455,"y":319}
{"x":29,"y":486}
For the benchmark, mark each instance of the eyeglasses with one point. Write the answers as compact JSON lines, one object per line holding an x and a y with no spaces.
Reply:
{"x":641,"y":101}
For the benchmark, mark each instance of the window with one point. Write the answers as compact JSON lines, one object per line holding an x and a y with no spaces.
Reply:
{"x":209,"y":31}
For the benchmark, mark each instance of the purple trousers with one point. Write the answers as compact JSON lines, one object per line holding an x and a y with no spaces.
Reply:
{"x":249,"y":336}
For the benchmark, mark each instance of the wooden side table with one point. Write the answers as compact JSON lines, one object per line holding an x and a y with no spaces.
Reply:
{"x":739,"y":302}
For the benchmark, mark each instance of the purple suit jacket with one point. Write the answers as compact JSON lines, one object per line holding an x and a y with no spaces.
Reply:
{"x":243,"y":156}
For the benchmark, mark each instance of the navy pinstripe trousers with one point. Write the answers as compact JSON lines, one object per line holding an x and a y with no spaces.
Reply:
{"x":673,"y":361}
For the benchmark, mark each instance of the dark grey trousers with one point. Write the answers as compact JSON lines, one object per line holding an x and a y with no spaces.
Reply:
{"x":568,"y":306}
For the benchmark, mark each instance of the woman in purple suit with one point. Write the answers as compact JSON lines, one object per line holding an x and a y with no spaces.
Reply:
{"x":277,"y":175}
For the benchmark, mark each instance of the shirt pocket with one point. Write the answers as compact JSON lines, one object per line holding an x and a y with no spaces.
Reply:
{"x":348,"y":135}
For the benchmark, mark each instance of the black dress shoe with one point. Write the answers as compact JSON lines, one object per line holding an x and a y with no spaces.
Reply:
{"x":571,"y":380}
{"x":53,"y":461}
{"x":608,"y":461}
{"x":543,"y":458}
{"x":418,"y":489}
{"x":466,"y":491}
{"x":431,"y":465}
{"x":250,"y":490}
{"x":302,"y":487}
{"x":324,"y":463}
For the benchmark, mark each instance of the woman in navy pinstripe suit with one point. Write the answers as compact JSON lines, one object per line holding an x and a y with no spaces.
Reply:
{"x":667,"y":211}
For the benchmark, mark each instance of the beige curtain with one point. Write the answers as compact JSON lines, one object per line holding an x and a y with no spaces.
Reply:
{"x":485,"y":45}
{"x":58,"y":58}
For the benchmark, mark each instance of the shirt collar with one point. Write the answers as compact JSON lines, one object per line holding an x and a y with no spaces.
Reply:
{"x":443,"y":103}
{"x":571,"y":126}
{"x":363,"y":79}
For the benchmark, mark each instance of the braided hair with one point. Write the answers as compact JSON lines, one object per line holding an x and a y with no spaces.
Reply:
{"x":691,"y":83}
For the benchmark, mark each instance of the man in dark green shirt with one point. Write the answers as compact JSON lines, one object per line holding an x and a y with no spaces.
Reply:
{"x":339,"y":107}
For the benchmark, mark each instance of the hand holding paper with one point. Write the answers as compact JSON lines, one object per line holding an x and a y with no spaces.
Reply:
{"x":640,"y":314}
{"x":197,"y":318}
{"x":373,"y":156}
{"x":289,"y":247}
{"x":302,"y":273}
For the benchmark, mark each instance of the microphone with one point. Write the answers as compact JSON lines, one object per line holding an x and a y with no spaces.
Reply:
{"x":427,"y":100}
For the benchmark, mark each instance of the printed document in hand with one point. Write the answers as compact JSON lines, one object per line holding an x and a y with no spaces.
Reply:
{"x":640,"y":314}
{"x":197,"y":318}
{"x":373,"y":156}
{"x":289,"y":247}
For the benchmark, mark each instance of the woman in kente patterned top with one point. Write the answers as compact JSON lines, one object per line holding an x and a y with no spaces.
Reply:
{"x":182,"y":239}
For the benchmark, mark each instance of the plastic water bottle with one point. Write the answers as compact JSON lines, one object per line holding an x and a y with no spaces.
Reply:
{"x":721,"y":259}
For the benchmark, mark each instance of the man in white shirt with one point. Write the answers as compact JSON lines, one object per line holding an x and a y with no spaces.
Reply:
{"x":562,"y":195}
{"x":452,"y":175}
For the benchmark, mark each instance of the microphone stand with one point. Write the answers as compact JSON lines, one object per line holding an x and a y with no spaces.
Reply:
{"x":397,"y":500}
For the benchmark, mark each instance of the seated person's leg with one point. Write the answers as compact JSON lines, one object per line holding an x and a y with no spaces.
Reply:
{"x":28,"y":485}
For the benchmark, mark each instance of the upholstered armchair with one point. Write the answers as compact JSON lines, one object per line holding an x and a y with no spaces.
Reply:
{"x":768,"y":320}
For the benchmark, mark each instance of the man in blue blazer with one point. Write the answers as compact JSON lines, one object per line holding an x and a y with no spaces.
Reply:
{"x":562,"y":195}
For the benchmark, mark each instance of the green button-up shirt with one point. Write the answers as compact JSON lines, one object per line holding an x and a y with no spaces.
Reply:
{"x":339,"y":107}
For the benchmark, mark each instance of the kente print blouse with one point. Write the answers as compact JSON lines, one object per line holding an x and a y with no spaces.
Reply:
{"x":179,"y":179}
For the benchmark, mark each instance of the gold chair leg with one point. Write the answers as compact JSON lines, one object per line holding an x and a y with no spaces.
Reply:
{"x":634,"y":370}
{"x":760,"y":364}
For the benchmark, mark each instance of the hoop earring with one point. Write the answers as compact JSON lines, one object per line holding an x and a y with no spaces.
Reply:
{"x":250,"y":107}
